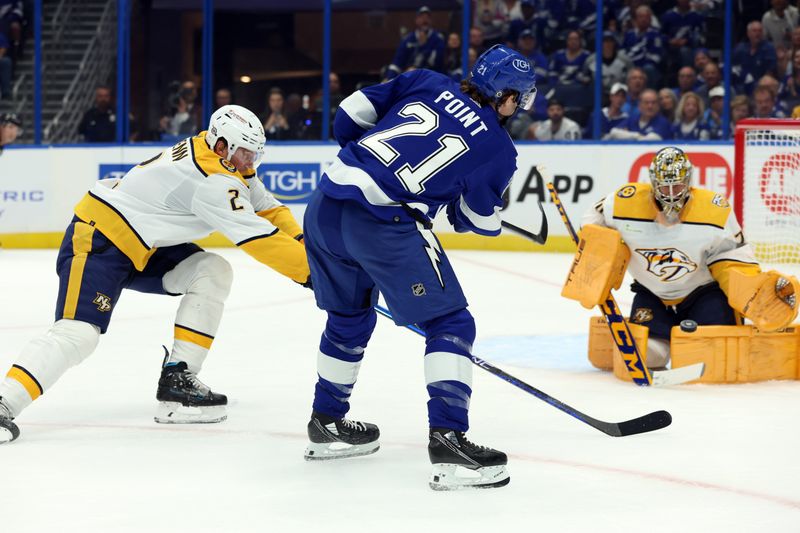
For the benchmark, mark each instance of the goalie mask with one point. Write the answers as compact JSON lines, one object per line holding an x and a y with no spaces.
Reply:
{"x":670,"y":175}
{"x":243,"y":132}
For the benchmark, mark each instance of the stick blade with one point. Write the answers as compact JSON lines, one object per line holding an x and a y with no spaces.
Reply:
{"x":644,"y":424}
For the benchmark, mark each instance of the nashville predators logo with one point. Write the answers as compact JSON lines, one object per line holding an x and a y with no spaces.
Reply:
{"x":642,"y":315}
{"x":227,"y":165}
{"x":103,"y":302}
{"x":669,"y":264}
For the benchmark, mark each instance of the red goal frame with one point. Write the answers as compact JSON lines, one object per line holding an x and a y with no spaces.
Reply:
{"x":743,"y":126}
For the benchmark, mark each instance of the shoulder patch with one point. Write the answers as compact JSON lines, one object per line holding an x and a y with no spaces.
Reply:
{"x":227,"y":165}
{"x":627,"y":191}
{"x":208,"y":162}
{"x":707,"y":208}
{"x":720,"y":201}
{"x":634,"y":201}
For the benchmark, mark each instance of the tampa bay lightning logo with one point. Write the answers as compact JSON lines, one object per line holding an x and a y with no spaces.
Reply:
{"x":522,"y":65}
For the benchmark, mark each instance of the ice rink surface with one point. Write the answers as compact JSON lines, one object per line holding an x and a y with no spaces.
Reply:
{"x":91,"y":458}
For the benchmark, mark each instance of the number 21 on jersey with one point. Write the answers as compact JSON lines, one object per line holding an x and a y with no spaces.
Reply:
{"x":425,"y":122}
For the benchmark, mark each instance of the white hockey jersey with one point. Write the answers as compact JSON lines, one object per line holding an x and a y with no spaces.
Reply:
{"x":185,"y":193}
{"x":673,"y":260}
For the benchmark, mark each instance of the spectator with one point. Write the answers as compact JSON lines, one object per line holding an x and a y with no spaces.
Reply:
{"x":650,"y":125}
{"x":687,"y":82}
{"x":668,"y":103}
{"x":752,"y":59}
{"x":10,"y":129}
{"x":782,"y":61}
{"x":526,"y":45}
{"x":11,"y":19}
{"x":530,"y":21}
{"x":684,"y":29}
{"x":422,"y":48}
{"x":581,"y":15}
{"x":613,"y":115}
{"x":452,"y":57}
{"x":790,"y":88}
{"x":713,"y":115}
{"x":795,"y":45}
{"x":5,"y":68}
{"x":492,"y":17}
{"x":690,"y":126}
{"x":713,"y":78}
{"x":615,"y":63}
{"x":472,"y":56}
{"x":99,"y":124}
{"x":775,"y":88}
{"x":764,"y":103}
{"x":183,"y":116}
{"x":779,"y":22}
{"x":637,"y":82}
{"x":477,"y":41}
{"x":701,"y":59}
{"x":557,"y":127}
{"x":222,"y":97}
{"x":566,"y":64}
{"x":740,"y":108}
{"x":276,"y":123}
{"x":305,"y":120}
{"x":644,"y":45}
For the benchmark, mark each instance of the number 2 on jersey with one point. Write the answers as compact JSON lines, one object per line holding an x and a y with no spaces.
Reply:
{"x":451,"y":147}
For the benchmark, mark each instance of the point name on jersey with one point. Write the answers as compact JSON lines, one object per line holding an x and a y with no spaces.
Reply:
{"x":460,"y":110}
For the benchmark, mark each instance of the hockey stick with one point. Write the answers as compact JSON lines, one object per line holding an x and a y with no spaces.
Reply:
{"x":539,"y":238}
{"x":621,"y":333}
{"x":643,"y":424}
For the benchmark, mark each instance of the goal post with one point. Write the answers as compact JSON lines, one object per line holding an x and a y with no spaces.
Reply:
{"x":767,"y":187}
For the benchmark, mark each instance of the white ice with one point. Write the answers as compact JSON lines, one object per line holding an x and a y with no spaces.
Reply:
{"x":91,"y":458}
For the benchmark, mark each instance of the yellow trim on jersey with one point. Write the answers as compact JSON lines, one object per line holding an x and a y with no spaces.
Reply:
{"x":209,"y":162}
{"x":21,"y":375}
{"x":182,"y":333}
{"x":81,"y":246}
{"x":281,"y":217}
{"x":721,"y":271}
{"x":706,"y":207}
{"x":634,"y":201}
{"x":281,"y":253}
{"x":113,"y":225}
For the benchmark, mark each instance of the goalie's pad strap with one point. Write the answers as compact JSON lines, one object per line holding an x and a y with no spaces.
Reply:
{"x":599,"y":266}
{"x":737,"y":353}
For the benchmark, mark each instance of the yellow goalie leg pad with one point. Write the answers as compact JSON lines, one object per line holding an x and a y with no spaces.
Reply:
{"x":599,"y":266}
{"x":603,"y":352}
{"x":769,"y":299}
{"x":737,"y":354}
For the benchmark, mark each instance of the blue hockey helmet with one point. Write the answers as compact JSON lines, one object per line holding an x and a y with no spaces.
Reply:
{"x":500,"y":69}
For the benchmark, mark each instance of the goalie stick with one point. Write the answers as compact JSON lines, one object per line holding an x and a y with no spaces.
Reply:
{"x":621,"y":333}
{"x":643,"y":424}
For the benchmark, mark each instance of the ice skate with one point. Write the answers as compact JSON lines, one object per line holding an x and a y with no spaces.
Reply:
{"x":460,"y":464}
{"x":184,"y":399}
{"x":333,"y":438}
{"x":8,"y":429}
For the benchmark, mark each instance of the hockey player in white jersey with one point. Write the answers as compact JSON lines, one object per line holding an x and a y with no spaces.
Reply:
{"x":137,"y":234}
{"x":688,"y":257}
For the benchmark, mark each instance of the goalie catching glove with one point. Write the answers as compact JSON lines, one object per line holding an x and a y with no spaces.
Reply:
{"x":769,"y":299}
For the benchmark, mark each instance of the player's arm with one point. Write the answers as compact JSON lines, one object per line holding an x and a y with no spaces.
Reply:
{"x":597,"y":213}
{"x":269,"y":208}
{"x":478,"y":208}
{"x":222,"y":202}
{"x":360,"y":111}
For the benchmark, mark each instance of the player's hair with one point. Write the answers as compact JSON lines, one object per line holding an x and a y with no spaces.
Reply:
{"x":475,"y":94}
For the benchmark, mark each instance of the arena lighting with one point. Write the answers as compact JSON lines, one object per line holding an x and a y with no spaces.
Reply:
{"x":245,"y":79}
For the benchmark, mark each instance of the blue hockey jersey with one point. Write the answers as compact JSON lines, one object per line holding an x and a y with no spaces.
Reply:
{"x":417,"y":144}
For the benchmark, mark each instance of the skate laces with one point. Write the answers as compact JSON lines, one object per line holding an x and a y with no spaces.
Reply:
{"x":352,"y":424}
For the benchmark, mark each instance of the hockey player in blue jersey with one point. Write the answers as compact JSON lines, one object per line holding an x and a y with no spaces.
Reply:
{"x":411,"y":147}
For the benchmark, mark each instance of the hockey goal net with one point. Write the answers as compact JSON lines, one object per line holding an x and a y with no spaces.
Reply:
{"x":767,"y":187}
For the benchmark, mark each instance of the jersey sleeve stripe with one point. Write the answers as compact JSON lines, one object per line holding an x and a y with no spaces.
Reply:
{"x":263,"y":236}
{"x":486,"y":223}
{"x":360,"y":110}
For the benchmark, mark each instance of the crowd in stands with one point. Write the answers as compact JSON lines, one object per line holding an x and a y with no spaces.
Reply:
{"x":11,"y":23}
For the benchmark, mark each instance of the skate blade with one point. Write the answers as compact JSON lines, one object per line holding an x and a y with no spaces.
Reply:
{"x":324,"y":451}
{"x":177,"y":413}
{"x":457,"y":477}
{"x":8,"y":432}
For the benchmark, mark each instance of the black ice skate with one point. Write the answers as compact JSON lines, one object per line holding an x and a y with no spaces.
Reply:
{"x":459,"y":464}
{"x":184,"y":399}
{"x":8,"y":429}
{"x":337,"y":438}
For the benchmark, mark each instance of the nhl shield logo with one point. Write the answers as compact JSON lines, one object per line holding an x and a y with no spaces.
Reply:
{"x":103,"y":302}
{"x":418,"y":289}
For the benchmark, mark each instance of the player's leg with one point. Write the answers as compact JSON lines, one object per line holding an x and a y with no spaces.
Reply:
{"x":91,"y":275}
{"x":419,"y":285}
{"x":708,"y":306}
{"x":648,"y":310}
{"x":204,"y":279}
{"x":343,"y":289}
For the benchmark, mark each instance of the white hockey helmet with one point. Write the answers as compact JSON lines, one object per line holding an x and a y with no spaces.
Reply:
{"x":240,"y":128}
